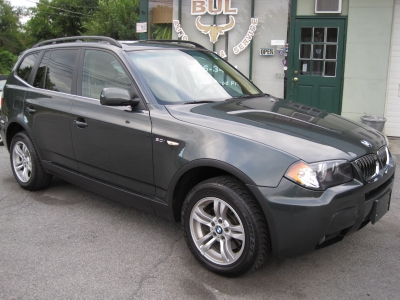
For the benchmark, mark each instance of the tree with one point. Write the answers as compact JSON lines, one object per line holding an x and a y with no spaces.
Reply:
{"x":7,"y":61}
{"x":10,"y":34}
{"x":58,"y":18}
{"x":114,"y":18}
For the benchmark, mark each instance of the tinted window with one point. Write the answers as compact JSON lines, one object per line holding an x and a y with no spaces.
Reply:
{"x":42,"y":71}
{"x":100,"y":70}
{"x":60,"y":69}
{"x":26,"y":66}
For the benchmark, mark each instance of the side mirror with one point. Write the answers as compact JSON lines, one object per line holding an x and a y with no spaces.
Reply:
{"x":117,"y":97}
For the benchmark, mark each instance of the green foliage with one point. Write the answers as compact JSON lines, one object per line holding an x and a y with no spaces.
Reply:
{"x":162,"y":31}
{"x":7,"y":61}
{"x":10,"y":35}
{"x":58,"y":18}
{"x":116,"y":19}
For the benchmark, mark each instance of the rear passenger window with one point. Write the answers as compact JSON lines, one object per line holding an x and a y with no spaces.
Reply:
{"x":55,"y":70}
{"x":100,"y":70}
{"x":59,"y":71}
{"x":26,"y":66}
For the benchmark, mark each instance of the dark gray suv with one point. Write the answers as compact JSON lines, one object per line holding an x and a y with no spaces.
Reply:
{"x":173,"y":129}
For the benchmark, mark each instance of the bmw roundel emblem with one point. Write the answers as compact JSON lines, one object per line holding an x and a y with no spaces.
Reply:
{"x":366,"y":143}
{"x":218,"y":229}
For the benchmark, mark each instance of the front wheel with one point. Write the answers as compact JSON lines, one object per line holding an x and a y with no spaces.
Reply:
{"x":25,"y":164}
{"x":224,"y":227}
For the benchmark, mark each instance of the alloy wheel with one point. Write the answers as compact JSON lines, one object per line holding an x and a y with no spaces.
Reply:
{"x":217,"y":231}
{"x":22,"y":162}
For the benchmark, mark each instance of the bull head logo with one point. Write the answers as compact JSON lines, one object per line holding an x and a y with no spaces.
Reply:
{"x":215,"y":30}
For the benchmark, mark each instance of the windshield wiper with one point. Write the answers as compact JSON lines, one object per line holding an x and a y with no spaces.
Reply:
{"x":247,"y":96}
{"x":200,"y":101}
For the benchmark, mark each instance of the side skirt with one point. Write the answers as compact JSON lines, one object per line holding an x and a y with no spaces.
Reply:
{"x":141,"y":202}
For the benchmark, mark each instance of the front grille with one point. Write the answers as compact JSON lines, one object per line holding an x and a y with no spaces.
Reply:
{"x":368,"y":165}
{"x":383,"y":155}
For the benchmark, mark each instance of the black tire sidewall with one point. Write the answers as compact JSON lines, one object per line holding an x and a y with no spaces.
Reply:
{"x":249,"y":254}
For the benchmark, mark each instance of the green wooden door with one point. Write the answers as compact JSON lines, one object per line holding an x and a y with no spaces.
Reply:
{"x":317,"y":69}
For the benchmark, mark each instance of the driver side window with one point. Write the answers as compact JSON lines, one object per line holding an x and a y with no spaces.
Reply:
{"x":100,"y":70}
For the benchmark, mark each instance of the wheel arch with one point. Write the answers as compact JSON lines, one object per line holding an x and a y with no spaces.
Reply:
{"x":195,"y":172}
{"x":12,"y":129}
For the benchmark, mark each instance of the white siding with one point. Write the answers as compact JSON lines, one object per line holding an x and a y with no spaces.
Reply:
{"x":392,"y":126}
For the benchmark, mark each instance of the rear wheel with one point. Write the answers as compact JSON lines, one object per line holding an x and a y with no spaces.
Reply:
{"x":26,"y":165}
{"x":224,"y":226}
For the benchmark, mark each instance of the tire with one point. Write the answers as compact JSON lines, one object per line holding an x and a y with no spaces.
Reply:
{"x":224,"y":227}
{"x":25,"y":164}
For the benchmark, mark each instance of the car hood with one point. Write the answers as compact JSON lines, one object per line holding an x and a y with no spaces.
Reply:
{"x":308,"y":133}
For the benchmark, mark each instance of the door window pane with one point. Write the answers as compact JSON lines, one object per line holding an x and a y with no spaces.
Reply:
{"x":330,"y":68}
{"x":306,"y":34}
{"x":332,"y":35}
{"x":318,"y":51}
{"x":42,"y":71}
{"x":305,"y":67}
{"x":26,"y":66}
{"x":100,"y":70}
{"x":319,"y":35}
{"x":60,"y":70}
{"x":318,"y":66}
{"x":305,"y":51}
{"x":331,"y":51}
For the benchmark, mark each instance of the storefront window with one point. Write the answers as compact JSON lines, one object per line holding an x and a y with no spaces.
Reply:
{"x":160,"y":19}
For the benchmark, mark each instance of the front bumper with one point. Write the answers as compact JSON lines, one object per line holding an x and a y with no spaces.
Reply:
{"x":301,"y":220}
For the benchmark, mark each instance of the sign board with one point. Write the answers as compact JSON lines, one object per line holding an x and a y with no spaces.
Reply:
{"x":277,"y":42}
{"x":141,"y":27}
{"x":266,"y":51}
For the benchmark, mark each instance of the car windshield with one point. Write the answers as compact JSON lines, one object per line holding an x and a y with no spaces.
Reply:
{"x":182,"y":76}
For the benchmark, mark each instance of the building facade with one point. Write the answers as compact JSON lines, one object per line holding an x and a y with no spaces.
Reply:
{"x":339,"y":55}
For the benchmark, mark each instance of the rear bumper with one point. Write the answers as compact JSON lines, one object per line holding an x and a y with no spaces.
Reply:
{"x":301,"y":221}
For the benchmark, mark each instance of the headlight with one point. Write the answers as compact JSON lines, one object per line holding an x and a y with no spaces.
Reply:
{"x":322,"y":175}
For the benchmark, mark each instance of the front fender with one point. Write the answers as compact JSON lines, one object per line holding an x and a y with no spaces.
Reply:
{"x":252,"y":162}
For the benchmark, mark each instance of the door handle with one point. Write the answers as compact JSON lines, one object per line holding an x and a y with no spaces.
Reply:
{"x":30,"y":109}
{"x":80,"y":123}
{"x":295,"y":79}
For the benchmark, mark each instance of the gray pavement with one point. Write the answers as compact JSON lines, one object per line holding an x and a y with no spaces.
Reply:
{"x":67,"y":243}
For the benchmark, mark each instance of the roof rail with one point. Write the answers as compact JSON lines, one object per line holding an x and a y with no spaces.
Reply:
{"x":176,"y":41}
{"x":109,"y":40}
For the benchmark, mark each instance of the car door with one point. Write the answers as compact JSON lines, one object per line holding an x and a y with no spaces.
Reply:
{"x":48,"y":105}
{"x":112,"y":144}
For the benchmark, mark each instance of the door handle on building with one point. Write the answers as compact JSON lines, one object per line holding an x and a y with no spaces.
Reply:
{"x":295,"y":79}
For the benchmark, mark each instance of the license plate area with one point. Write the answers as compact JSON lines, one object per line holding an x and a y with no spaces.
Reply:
{"x":380,"y":207}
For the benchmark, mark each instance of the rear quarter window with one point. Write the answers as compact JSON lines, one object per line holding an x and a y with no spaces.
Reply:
{"x":25,"y":68}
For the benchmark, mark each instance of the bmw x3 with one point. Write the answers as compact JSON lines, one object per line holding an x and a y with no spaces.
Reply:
{"x":173,"y":129}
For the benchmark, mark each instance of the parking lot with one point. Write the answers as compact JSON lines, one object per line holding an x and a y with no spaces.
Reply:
{"x":66,"y":242}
